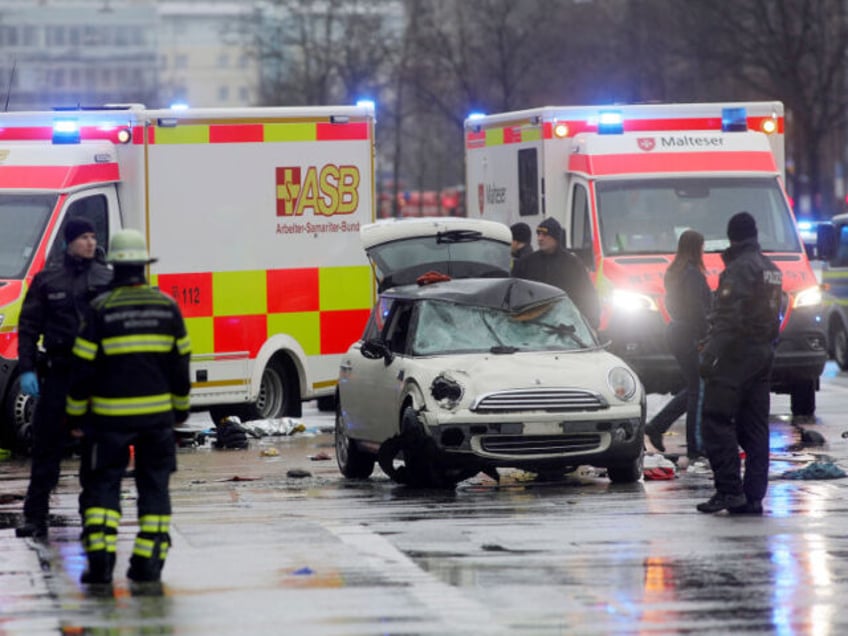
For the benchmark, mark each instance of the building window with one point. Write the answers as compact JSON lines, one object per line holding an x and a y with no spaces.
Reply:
{"x":223,"y":93}
{"x":181,"y":61}
{"x":244,"y":94}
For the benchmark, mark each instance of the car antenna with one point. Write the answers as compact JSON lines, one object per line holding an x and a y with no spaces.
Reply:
{"x":11,"y":79}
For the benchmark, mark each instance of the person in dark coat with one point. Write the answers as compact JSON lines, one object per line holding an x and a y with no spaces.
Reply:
{"x":52,"y":308}
{"x":688,"y":300}
{"x":521,"y":237}
{"x":554,"y":265}
{"x":736,"y":363}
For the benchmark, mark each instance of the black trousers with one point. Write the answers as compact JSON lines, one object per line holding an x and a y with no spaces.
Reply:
{"x":49,"y":438}
{"x":736,"y":412}
{"x":109,"y":453}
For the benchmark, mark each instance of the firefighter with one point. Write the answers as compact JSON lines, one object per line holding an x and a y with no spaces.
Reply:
{"x":736,"y":363}
{"x":554,"y":265}
{"x":52,"y":309}
{"x":131,"y":371}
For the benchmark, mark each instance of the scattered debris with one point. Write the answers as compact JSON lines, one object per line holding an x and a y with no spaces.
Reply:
{"x":816,"y":470}
{"x":298,"y":473}
{"x":239,"y":478}
{"x":269,"y":452}
{"x":320,"y":456}
{"x":274,"y":426}
{"x":657,"y":468}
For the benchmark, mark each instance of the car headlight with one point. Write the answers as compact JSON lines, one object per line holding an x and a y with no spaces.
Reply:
{"x":623,"y":383}
{"x":808,"y":297}
{"x":628,"y":300}
{"x":446,"y":391}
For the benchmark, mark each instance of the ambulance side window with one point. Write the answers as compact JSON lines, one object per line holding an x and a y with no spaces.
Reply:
{"x":528,"y":182}
{"x":580,"y":231}
{"x":94,"y":209}
{"x":841,"y":257}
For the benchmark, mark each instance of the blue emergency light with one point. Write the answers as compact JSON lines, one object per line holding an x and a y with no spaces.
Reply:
{"x":370,"y":104}
{"x":610,"y":122}
{"x":734,"y":119}
{"x":475,"y":115}
{"x":66,"y":131}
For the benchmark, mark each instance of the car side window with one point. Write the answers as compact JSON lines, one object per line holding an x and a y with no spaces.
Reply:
{"x":93,"y":209}
{"x":396,"y":333}
{"x":841,"y":257}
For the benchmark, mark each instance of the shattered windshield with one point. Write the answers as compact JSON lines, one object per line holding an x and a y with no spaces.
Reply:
{"x":22,"y":219}
{"x":446,"y":328}
{"x":457,"y":253}
{"x":647,"y":216}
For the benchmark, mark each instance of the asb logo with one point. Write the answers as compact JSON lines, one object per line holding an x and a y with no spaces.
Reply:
{"x":325,"y":191}
{"x":646,"y":143}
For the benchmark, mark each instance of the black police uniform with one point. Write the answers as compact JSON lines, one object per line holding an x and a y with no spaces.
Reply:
{"x":736,"y":364}
{"x":131,"y":373}
{"x":53,"y":306}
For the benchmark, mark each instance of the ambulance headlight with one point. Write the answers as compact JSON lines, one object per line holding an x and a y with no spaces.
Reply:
{"x":628,"y":300}
{"x":622,"y":383}
{"x":809,"y":297}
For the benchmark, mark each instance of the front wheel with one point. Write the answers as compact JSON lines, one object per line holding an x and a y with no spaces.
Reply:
{"x":839,"y":338}
{"x":626,"y":473}
{"x":16,"y":433}
{"x":353,"y":462}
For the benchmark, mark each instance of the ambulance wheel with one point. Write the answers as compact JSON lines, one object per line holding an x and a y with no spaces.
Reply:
{"x":16,"y":433}
{"x":839,"y":338}
{"x":803,"y":397}
{"x":353,"y":462}
{"x":277,"y":397}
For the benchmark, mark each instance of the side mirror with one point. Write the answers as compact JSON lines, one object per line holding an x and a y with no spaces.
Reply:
{"x":376,"y":349}
{"x":826,"y":241}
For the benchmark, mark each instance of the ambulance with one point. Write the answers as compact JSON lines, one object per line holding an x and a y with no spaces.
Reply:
{"x":625,"y":182}
{"x":253,"y":215}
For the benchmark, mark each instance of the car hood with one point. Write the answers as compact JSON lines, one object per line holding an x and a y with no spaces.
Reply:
{"x":481,"y":374}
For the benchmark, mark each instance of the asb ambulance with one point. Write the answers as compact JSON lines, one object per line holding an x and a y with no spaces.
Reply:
{"x":625,"y":182}
{"x":253,"y":215}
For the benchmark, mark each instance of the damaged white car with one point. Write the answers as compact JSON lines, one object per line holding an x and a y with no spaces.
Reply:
{"x":457,"y":376}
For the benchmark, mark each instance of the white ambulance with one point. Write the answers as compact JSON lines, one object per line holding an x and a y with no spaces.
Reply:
{"x":625,"y":182}
{"x":253,"y":214}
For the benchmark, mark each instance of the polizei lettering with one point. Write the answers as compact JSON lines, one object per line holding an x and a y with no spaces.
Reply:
{"x":691,"y":141}
{"x":495,"y":194}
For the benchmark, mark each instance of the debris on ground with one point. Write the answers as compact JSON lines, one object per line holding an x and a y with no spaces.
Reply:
{"x":655,"y":467}
{"x":298,"y":473}
{"x":269,"y":452}
{"x":229,"y":433}
{"x":320,"y":456}
{"x":274,"y":426}
{"x":239,"y":478}
{"x":820,"y":469}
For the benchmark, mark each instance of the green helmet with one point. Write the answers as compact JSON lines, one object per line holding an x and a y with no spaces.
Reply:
{"x":128,"y":247}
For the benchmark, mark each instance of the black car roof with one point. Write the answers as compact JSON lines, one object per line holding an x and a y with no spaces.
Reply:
{"x":509,"y":294}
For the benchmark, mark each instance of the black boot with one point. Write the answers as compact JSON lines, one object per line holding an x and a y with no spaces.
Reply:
{"x":144,"y":570}
{"x":35,"y":528}
{"x":100,"y":566}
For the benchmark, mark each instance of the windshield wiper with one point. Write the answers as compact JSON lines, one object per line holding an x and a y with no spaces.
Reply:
{"x":458,"y":236}
{"x":503,"y":349}
{"x":564,"y":330}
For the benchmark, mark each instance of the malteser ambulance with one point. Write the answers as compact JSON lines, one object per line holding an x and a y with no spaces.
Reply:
{"x":253,"y":214}
{"x":625,"y":182}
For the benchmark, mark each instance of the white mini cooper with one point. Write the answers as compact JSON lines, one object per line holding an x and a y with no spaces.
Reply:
{"x":462,"y":369}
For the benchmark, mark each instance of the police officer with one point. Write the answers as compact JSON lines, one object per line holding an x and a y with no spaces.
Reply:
{"x":131,"y":372}
{"x":736,"y":363}
{"x":59,"y":295}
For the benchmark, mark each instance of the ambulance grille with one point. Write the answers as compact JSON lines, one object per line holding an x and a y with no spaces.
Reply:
{"x":526,"y":445}
{"x":551,"y":400}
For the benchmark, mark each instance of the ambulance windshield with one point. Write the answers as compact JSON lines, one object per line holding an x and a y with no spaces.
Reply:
{"x":646,"y":216}
{"x":23,"y":218}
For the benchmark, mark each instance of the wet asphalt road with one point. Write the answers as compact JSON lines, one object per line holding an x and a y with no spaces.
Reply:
{"x":256,"y":551}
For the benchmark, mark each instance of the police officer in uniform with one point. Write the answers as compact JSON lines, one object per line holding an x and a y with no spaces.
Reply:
{"x":736,"y":363}
{"x":131,"y":372}
{"x":52,"y":309}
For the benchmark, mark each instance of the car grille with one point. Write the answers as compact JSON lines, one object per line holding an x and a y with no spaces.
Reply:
{"x":522,"y":445}
{"x":556,"y":400}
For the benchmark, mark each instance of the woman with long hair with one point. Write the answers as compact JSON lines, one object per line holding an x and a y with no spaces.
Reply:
{"x":688,"y":300}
